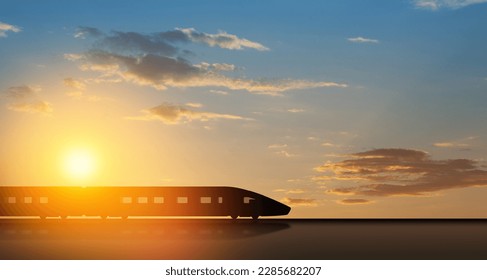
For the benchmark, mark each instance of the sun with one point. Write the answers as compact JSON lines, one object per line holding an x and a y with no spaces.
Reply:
{"x":79,"y":164}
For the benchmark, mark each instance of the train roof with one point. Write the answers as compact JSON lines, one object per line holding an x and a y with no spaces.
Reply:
{"x":167,"y":188}
{"x":142,"y":187}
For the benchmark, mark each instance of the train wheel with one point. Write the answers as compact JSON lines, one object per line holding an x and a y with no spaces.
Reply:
{"x":255,"y":217}
{"x":234,"y":217}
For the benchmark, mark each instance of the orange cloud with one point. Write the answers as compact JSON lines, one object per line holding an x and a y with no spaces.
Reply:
{"x":25,"y":99}
{"x":174,"y":114}
{"x":306,"y":202}
{"x":354,"y":201}
{"x":36,"y":106}
{"x":400,"y":172}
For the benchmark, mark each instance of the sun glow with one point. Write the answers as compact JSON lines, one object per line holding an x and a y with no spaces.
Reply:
{"x":79,"y":164}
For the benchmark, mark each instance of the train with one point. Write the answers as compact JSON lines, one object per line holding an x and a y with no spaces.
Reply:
{"x":123,"y":202}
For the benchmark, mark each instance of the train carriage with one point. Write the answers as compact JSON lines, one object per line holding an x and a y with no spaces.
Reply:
{"x":137,"y":201}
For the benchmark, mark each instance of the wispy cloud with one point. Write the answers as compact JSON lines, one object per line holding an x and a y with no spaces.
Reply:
{"x":221,"y":92}
{"x":354,"y":201}
{"x":77,"y":90}
{"x":176,"y":114}
{"x":300,"y":202}
{"x":216,"y":66}
{"x":277,"y":146}
{"x":74,"y":84}
{"x":23,"y":92}
{"x":402,"y":172}
{"x":5,"y":27}
{"x":35,"y":106}
{"x":291,"y":191}
{"x":296,"y":110}
{"x":280,"y":150}
{"x":161,"y":72}
{"x":284,"y":153}
{"x":86,"y":31}
{"x":331,"y":145}
{"x":222,"y":40}
{"x":463,"y":144}
{"x":450,"y":145}
{"x":25,"y":99}
{"x":156,"y":60}
{"x":194,"y":105}
{"x":363,"y":40}
{"x":161,"y":43}
{"x":164,"y":42}
{"x":449,"y":4}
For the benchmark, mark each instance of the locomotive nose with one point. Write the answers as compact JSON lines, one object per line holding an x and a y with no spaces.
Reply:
{"x":275,"y":208}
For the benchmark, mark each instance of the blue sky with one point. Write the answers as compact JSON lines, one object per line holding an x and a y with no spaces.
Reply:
{"x":293,"y":99}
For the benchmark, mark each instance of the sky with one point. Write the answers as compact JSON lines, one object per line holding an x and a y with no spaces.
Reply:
{"x":335,"y":108}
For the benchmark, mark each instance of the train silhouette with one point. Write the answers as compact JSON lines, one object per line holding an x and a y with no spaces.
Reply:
{"x":137,"y":201}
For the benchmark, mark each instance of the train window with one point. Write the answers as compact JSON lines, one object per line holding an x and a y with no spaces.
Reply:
{"x":27,"y":199}
{"x":182,"y":199}
{"x":247,"y":199}
{"x":126,"y":200}
{"x":142,"y":200}
{"x":220,"y":199}
{"x":205,"y":199}
{"x":159,"y":200}
{"x":11,"y":200}
{"x":43,"y":199}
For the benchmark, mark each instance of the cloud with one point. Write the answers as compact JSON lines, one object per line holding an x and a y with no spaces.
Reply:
{"x":402,"y":172}
{"x":5,"y":27}
{"x":292,"y":191}
{"x":458,"y":144}
{"x":297,"y":202}
{"x":161,"y":72}
{"x":163,"y":42}
{"x":295,"y":110}
{"x":74,"y":84}
{"x":73,"y":56}
{"x":132,"y":42}
{"x":426,"y":4}
{"x":157,"y":60}
{"x":354,"y":201}
{"x":77,"y":88}
{"x":277,"y":146}
{"x":280,"y":150}
{"x":284,"y":153}
{"x":35,"y":106}
{"x":22,"y":92}
{"x":328,"y":144}
{"x":363,"y":40}
{"x":175,"y":114}
{"x":295,"y":191}
{"x":194,"y":105}
{"x":221,"y":92}
{"x":221,"y":39}
{"x":450,"y":145}
{"x":216,"y":66}
{"x":449,"y":4}
{"x":25,"y":99}
{"x":86,"y":31}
